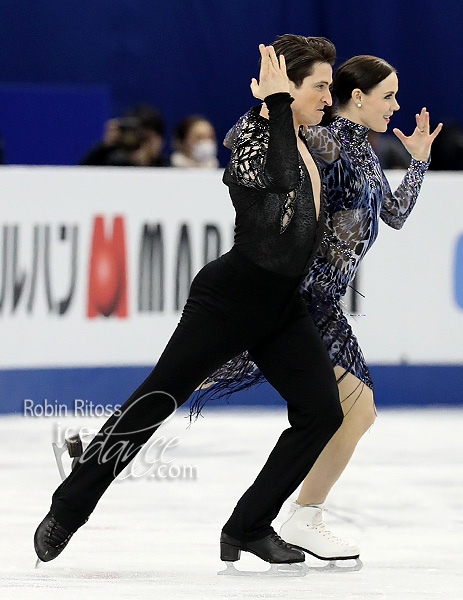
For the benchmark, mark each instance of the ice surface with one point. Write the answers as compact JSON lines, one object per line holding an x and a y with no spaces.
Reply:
{"x":401,"y":499}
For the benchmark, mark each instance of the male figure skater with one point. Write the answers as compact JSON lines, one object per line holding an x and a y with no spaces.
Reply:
{"x":248,"y":299}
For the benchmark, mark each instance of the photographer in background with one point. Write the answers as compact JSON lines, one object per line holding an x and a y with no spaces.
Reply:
{"x":135,"y":140}
{"x":152,"y":126}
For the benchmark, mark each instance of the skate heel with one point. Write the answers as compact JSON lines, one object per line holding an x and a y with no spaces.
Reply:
{"x":230,"y":548}
{"x":229,"y":553}
{"x":74,"y":445}
{"x":75,"y":448}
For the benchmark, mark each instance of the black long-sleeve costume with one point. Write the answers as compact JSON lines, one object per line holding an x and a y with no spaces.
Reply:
{"x":247,"y":299}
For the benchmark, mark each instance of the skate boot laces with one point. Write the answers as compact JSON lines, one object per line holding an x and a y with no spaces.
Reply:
{"x":320,"y":526}
{"x":279,"y":541}
{"x":56,"y":535}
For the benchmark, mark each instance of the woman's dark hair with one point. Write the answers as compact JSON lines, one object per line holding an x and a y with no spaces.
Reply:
{"x":363,"y":72}
{"x":183,"y":127}
{"x":302,"y":53}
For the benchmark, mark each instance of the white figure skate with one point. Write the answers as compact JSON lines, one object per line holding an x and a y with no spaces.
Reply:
{"x":306,"y":530}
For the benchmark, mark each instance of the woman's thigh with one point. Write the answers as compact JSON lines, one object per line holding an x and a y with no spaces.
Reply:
{"x":356,"y":398}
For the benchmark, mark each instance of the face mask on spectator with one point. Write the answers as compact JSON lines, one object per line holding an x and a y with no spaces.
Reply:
{"x":204,"y":150}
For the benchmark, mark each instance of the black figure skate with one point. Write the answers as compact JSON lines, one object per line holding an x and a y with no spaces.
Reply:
{"x":50,"y":539}
{"x":284,"y":559}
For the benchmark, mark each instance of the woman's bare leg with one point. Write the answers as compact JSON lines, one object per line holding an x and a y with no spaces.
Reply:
{"x":359,"y":414}
{"x":304,"y":526}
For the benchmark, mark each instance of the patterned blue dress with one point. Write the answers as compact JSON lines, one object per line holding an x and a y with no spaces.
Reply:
{"x":357,"y":196}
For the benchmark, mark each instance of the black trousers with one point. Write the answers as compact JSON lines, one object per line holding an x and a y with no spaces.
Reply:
{"x":233,"y":305}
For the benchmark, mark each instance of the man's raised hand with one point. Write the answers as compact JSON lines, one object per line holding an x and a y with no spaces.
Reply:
{"x":272,"y":76}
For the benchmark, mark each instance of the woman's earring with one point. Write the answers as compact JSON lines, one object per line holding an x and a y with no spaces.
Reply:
{"x":359,"y":105}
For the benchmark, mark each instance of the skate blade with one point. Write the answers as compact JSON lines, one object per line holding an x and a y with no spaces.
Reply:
{"x":275,"y":570}
{"x":59,"y":451}
{"x":336,"y":566}
{"x":74,"y":447}
{"x":38,"y":562}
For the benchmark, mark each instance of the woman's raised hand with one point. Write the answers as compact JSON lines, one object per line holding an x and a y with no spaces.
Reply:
{"x":272,"y":76}
{"x":419,"y":143}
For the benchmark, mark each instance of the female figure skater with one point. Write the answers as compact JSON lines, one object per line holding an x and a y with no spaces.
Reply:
{"x":247,"y":299}
{"x":358,"y":195}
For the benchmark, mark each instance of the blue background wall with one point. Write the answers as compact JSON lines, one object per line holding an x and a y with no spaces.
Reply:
{"x":395,"y":386}
{"x":67,"y":66}
{"x":188,"y":56}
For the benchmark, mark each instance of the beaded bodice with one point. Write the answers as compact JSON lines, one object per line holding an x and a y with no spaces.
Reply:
{"x":354,"y":139}
{"x":357,"y":196}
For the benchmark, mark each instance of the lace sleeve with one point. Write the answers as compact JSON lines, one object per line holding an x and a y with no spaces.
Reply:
{"x":265,"y":155}
{"x":397,"y":206}
{"x":322,"y":142}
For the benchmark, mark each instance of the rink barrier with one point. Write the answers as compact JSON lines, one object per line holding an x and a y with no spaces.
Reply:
{"x":395,"y":386}
{"x":96,"y":266}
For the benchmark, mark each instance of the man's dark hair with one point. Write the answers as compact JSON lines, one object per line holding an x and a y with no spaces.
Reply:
{"x":303,"y":53}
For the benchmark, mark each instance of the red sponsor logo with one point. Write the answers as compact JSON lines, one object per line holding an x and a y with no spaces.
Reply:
{"x":107,"y":281}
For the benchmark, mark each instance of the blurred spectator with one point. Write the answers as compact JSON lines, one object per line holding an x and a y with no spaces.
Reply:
{"x":152,"y":125}
{"x":134,"y":140}
{"x":389,"y":150}
{"x":447,"y":149}
{"x":195,"y":143}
